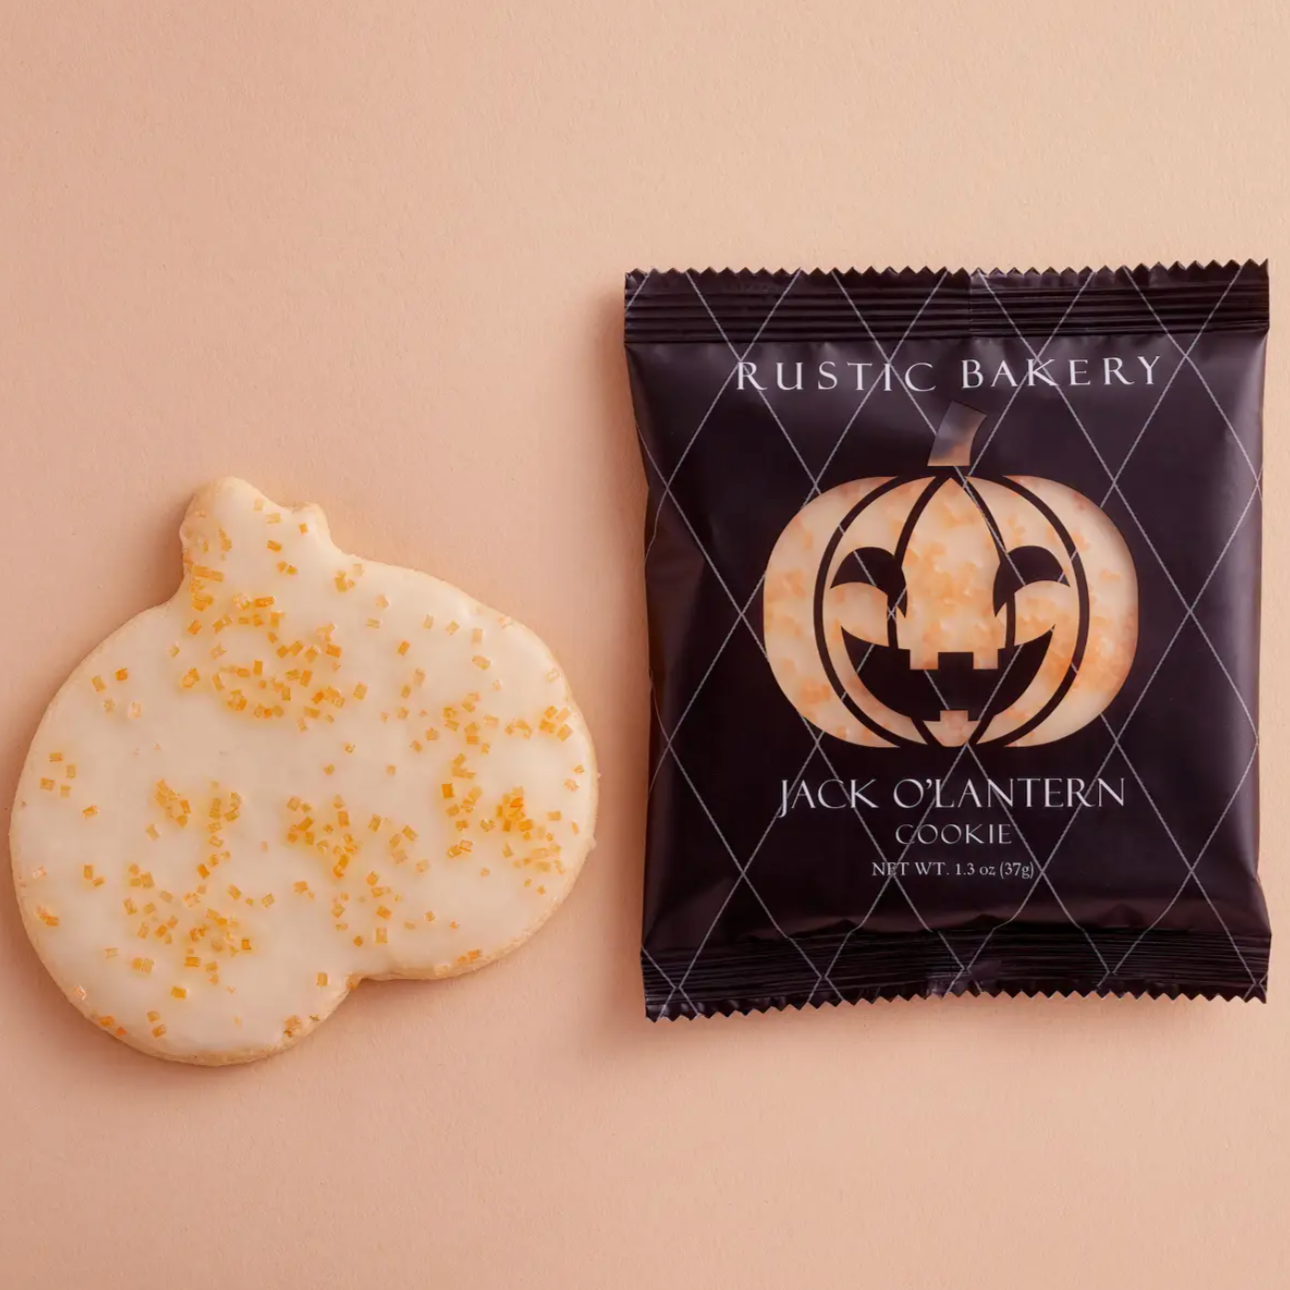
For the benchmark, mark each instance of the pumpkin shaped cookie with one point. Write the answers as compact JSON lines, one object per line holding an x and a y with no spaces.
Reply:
{"x":948,"y":608}
{"x":303,"y":770}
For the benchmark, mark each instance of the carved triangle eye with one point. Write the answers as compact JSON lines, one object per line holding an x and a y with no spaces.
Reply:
{"x":876,"y":568}
{"x":1021,"y":567}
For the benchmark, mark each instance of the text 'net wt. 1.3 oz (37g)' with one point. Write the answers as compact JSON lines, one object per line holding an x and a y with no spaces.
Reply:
{"x":953,"y":588}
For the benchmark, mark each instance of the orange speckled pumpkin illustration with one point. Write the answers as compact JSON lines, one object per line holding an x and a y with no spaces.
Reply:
{"x":946,"y":608}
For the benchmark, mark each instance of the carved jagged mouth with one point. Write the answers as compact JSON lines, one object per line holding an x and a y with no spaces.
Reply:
{"x":954,"y":686}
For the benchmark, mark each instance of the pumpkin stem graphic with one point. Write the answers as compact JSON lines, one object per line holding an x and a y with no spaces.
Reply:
{"x":953,"y":446}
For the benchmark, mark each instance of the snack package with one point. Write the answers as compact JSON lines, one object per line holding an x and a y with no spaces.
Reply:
{"x":953,"y":587}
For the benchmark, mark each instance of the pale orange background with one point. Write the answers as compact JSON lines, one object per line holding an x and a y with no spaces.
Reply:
{"x":370,"y":254}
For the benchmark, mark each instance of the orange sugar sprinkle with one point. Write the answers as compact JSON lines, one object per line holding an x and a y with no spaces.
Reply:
{"x":274,"y":546}
{"x":275,"y":518}
{"x":266,"y":901}
{"x":47,"y":785}
{"x":190,"y":678}
{"x":358,"y":940}
{"x":382,"y":936}
{"x":301,"y":887}
{"x":427,"y":622}
{"x":159,"y":1030}
{"x":452,"y":628}
{"x":142,"y":965}
{"x":194,"y":627}
{"x":71,"y":770}
{"x":322,"y":978}
{"x":360,"y":691}
{"x":246,"y":942}
{"x":383,"y":911}
{"x":87,"y":871}
{"x":90,"y":812}
{"x":304,"y":528}
{"x":55,"y":756}
{"x":481,"y":662}
{"x":329,"y":769}
{"x":122,"y":674}
{"x":404,"y":646}
{"x":391,"y":769}
{"x":98,"y":683}
{"x":178,"y":992}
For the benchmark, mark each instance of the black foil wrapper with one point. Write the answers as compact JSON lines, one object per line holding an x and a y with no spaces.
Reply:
{"x":1021,"y":758}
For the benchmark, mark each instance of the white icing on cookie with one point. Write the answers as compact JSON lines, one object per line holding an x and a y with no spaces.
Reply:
{"x":303,"y":770}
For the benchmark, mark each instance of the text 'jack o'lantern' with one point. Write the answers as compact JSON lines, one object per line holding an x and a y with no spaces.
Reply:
{"x":946,"y":608}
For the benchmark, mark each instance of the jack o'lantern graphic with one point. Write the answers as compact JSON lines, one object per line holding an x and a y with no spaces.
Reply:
{"x":946,"y":608}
